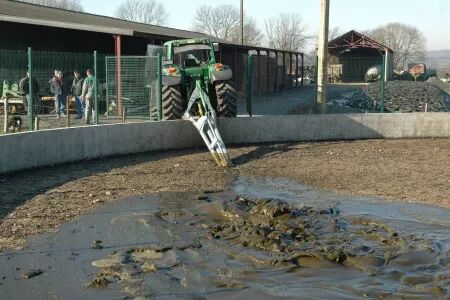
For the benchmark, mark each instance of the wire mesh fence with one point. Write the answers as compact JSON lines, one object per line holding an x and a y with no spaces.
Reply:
{"x":14,"y":64}
{"x":27,"y":78}
{"x":375,"y":85}
{"x":129,"y":87}
{"x":41,"y":65}
{"x":132,"y":87}
{"x":358,"y":85}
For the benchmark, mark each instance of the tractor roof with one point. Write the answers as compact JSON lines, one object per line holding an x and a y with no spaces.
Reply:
{"x":177,"y":43}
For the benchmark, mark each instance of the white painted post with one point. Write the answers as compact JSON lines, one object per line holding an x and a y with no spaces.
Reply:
{"x":387,"y":69}
{"x":6,"y":108}
{"x":36,"y":123}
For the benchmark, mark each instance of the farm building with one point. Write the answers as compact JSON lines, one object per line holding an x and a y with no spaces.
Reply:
{"x":352,"y":54}
{"x":65,"y":40}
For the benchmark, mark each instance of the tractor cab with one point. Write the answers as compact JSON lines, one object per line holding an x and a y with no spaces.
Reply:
{"x":192,"y":56}
{"x":190,"y":53}
{"x":192,"y":59}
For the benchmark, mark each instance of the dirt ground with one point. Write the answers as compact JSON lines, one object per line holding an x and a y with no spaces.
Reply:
{"x":37,"y":201}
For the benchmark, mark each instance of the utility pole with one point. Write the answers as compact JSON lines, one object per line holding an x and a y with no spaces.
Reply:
{"x":242,"y":22}
{"x":322,"y":67}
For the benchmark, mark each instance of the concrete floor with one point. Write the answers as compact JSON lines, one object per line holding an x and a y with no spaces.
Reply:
{"x":290,"y":101}
{"x":278,"y":103}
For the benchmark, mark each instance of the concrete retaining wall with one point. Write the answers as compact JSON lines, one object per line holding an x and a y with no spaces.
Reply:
{"x":49,"y":147}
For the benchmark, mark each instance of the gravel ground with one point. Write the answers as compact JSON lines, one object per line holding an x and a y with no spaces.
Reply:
{"x":37,"y":201}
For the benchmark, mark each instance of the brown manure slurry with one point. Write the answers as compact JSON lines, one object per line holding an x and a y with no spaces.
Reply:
{"x":185,"y":229}
{"x":261,"y":238}
{"x":223,"y":246}
{"x":38,"y":201}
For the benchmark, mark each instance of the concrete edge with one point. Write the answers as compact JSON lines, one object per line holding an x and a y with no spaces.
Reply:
{"x":57,"y":146}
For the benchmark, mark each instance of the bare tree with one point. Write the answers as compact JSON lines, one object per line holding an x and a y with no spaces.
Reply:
{"x":218,"y":21}
{"x":223,"y":22}
{"x":407,"y":42}
{"x":253,"y":36}
{"x":65,"y":4}
{"x":334,"y":33}
{"x":143,"y":11}
{"x":287,"y":32}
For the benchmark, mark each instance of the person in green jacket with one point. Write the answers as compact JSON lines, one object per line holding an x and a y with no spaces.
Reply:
{"x":87,"y":96}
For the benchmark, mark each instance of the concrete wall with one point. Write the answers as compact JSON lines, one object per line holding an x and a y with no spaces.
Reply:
{"x":49,"y":147}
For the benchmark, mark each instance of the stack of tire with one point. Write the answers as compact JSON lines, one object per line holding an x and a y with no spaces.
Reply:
{"x":410,"y":96}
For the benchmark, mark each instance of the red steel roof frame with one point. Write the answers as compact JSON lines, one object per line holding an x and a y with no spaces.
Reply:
{"x":353,"y":40}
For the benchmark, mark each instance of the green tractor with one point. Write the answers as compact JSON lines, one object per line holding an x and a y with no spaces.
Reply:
{"x":189,"y":65}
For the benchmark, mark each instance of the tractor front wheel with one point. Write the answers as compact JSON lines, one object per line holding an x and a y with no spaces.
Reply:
{"x":172,"y":104}
{"x":226,"y":99}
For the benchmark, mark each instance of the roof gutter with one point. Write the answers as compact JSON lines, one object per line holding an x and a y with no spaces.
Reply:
{"x":76,"y":26}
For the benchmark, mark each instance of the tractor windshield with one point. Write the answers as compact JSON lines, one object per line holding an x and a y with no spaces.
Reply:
{"x":192,"y":55}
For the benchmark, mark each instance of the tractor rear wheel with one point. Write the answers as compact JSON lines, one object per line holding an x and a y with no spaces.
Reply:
{"x":226,"y":99}
{"x":172,"y":104}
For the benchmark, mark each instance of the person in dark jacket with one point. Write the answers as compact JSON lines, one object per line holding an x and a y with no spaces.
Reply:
{"x":58,"y":88}
{"x":55,"y":74}
{"x":76,"y":90}
{"x":24,"y":88}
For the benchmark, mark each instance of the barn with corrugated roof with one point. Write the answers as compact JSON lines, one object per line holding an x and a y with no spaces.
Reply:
{"x":353,"y":53}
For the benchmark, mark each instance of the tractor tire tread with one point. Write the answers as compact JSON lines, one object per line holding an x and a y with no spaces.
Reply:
{"x":172,"y":103}
{"x":226,"y":99}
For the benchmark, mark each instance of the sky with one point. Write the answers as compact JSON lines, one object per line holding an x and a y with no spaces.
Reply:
{"x":432,"y":17}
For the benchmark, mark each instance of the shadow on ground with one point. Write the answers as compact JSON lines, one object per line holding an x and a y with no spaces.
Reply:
{"x":30,"y":183}
{"x":262,"y":151}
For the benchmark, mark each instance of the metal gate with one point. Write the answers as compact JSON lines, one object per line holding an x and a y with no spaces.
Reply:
{"x":133,"y":87}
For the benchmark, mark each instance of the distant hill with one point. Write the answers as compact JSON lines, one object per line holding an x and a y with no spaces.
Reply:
{"x":438,"y":53}
{"x":439,"y":60}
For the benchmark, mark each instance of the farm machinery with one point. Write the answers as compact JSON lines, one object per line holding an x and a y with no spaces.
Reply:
{"x":414,"y":72}
{"x":11,"y":92}
{"x":197,"y":88}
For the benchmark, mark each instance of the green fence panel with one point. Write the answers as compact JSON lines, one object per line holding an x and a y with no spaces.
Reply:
{"x":96,"y":98}
{"x":249,"y":84}
{"x":383,"y":81}
{"x":14,"y":63}
{"x":30,"y":87}
{"x":132,"y":87}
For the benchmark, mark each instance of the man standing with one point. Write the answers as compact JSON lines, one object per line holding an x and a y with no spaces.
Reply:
{"x":58,"y":89}
{"x":77,"y":89}
{"x":87,"y":95}
{"x":55,"y":74}
{"x":24,"y":88}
